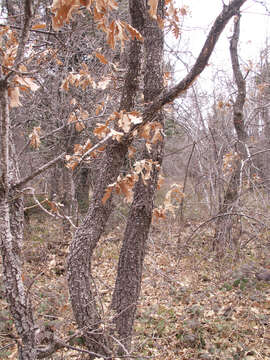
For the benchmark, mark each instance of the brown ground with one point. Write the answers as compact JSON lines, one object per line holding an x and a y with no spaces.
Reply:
{"x":192,"y":306}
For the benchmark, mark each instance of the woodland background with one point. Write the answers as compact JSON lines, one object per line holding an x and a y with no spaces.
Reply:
{"x":89,"y":131}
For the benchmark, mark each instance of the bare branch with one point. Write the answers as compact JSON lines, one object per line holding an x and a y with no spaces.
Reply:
{"x":185,"y":180}
{"x":221,"y":21}
{"x":238,"y":104}
{"x":223,"y":215}
{"x":28,"y":13}
{"x":55,"y":215}
{"x":40,"y":170}
{"x":31,"y":30}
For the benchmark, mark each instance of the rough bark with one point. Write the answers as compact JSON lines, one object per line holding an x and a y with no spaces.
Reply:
{"x":67,"y":194}
{"x":225,"y":224}
{"x":130,"y":265}
{"x":11,"y":218}
{"x":11,"y":230}
{"x":86,"y":238}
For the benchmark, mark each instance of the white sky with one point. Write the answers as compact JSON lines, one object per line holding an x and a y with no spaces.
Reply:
{"x":255,"y":27}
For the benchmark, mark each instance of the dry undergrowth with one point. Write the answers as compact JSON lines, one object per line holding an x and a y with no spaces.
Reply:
{"x":192,"y":306}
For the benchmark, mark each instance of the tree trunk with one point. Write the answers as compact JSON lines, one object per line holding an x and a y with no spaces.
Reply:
{"x":225,"y":224}
{"x":68,"y":198}
{"x":130,"y":266}
{"x":11,"y":232}
{"x":87,"y":236}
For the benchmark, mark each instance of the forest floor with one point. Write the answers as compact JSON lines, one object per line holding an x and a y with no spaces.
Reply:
{"x":192,"y":306}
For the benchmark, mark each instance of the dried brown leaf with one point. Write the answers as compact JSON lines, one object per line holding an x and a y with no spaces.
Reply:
{"x":153,"y":8}
{"x":108,"y":193}
{"x":101,"y":58}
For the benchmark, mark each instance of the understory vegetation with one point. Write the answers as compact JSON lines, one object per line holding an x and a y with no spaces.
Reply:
{"x":193,"y":305}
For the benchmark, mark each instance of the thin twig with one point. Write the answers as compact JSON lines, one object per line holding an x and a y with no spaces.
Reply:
{"x":54,"y":215}
{"x":32,"y":30}
{"x":28,"y":14}
{"x":185,"y":180}
{"x":221,"y":215}
{"x":37,"y":172}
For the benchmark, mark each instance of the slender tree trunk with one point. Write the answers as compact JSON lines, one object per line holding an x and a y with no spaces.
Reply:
{"x":67,"y":192}
{"x":11,"y":221}
{"x":225,"y":224}
{"x":130,"y":266}
{"x":11,"y":216}
{"x":262,"y":161}
{"x":11,"y":232}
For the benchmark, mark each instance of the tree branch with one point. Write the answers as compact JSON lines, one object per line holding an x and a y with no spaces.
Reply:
{"x":221,"y":21}
{"x":40,"y":170}
{"x":31,"y":30}
{"x":28,"y":13}
{"x":240,"y":83}
{"x":223,"y":215}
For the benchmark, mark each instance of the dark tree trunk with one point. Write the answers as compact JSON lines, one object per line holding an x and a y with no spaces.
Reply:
{"x":130,"y":266}
{"x":87,"y":236}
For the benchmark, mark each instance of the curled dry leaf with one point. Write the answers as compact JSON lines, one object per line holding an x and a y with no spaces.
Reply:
{"x":153,"y":8}
{"x":101,"y":58}
{"x":82,"y":79}
{"x":72,"y":118}
{"x":133,"y":32}
{"x":161,"y":181}
{"x":101,"y":130}
{"x":119,"y":30}
{"x":99,"y":108}
{"x":144,"y":168}
{"x":103,"y":84}
{"x":157,"y":133}
{"x":108,"y":193}
{"x":14,"y":97}
{"x":63,"y":10}
{"x":183,"y":11}
{"x":124,"y":122}
{"x":26,"y":82}
{"x":39,"y":26}
{"x":151,"y":132}
{"x":158,"y":214}
{"x":53,"y":206}
{"x":123,"y":186}
{"x":35,"y":138}
{"x":79,"y":126}
{"x":126,"y":119}
{"x":131,"y":152}
{"x":72,"y":161}
{"x":175,"y":194}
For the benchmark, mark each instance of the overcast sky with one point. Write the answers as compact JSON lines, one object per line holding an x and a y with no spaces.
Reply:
{"x":255,"y":25}
{"x":255,"y":28}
